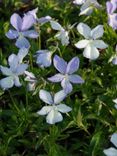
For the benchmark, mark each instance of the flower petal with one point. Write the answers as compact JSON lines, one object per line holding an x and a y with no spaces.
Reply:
{"x":21,"y":69}
{"x":100,"y":44}
{"x":5,"y":71}
{"x":7,"y":82}
{"x":28,"y":21}
{"x":113,"y":20}
{"x":30,"y":34}
{"x":115,"y":100}
{"x":67,"y":86}
{"x":17,"y":82}
{"x":109,"y":7}
{"x":91,"y":52}
{"x":84,"y":30}
{"x":64,"y":108}
{"x":73,"y":65}
{"x":22,"y":53}
{"x":60,"y":64}
{"x":12,"y":34}
{"x":56,"y":78}
{"x":16,"y":21}
{"x":13,"y":62}
{"x":53,"y":117}
{"x":86,"y":11}
{"x":22,"y":42}
{"x":55,"y":25}
{"x":44,"y":20}
{"x":82,"y":44}
{"x":46,"y":97}
{"x":110,"y":152}
{"x":97,"y":32}
{"x":59,"y":96}
{"x":75,"y":79}
{"x":114,"y":139}
{"x":45,"y":110}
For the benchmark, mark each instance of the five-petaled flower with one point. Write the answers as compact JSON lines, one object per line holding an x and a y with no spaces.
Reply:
{"x":112,"y":151}
{"x":112,"y":16}
{"x":44,"y":58}
{"x":16,"y":69}
{"x":55,"y":108}
{"x":22,"y":26}
{"x":91,"y":41}
{"x":62,"y":35}
{"x":66,"y":76}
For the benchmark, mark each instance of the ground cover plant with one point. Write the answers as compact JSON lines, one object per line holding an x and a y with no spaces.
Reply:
{"x":58,"y":76}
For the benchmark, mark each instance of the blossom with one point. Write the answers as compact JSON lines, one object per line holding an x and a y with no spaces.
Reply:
{"x":112,"y":16}
{"x":22,"y":26}
{"x":91,"y":41}
{"x":16,"y":69}
{"x":66,"y":76}
{"x":87,"y":6}
{"x":62,"y":35}
{"x":41,"y":20}
{"x":44,"y":58}
{"x":112,"y":151}
{"x":55,"y":108}
{"x":31,"y":79}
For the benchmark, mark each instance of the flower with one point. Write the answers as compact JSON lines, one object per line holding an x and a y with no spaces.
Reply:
{"x":87,"y":6}
{"x":22,"y":26}
{"x":66,"y":76}
{"x":55,"y":108}
{"x":112,"y":151}
{"x":91,"y":41}
{"x":112,"y":17}
{"x":62,"y":35}
{"x":41,"y":20}
{"x":44,"y":58}
{"x":16,"y":69}
{"x":31,"y":79}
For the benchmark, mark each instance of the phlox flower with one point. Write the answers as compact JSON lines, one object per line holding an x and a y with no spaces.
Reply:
{"x":66,"y":75}
{"x":16,"y":69}
{"x":91,"y":41}
{"x":112,"y":16}
{"x":22,"y":26}
{"x":79,"y":2}
{"x":44,"y":58}
{"x":41,"y":20}
{"x":31,"y":79}
{"x":112,"y":151}
{"x":62,"y":34}
{"x":55,"y":108}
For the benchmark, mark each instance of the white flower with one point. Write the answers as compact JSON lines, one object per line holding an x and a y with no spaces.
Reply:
{"x":62,"y":35}
{"x":91,"y":41}
{"x":112,"y":151}
{"x":31,"y":79}
{"x":16,"y":68}
{"x":88,"y":6}
{"x":55,"y":108}
{"x":115,"y":101}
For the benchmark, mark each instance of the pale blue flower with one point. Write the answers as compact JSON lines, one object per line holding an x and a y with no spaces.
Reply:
{"x":62,"y":34}
{"x":112,"y":151}
{"x":44,"y":58}
{"x":66,"y":75}
{"x":22,"y":26}
{"x":55,"y":108}
{"x":16,"y":69}
{"x":91,"y":43}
